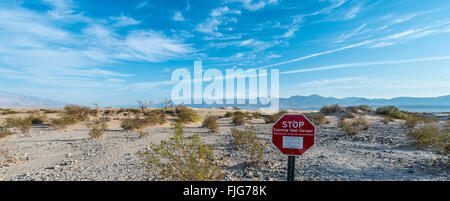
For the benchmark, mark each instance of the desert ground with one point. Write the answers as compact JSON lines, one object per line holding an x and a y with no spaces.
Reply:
{"x":383,"y":152}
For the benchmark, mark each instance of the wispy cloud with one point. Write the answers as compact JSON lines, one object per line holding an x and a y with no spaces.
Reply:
{"x":218,"y":16}
{"x":142,"y":4}
{"x":254,"y":5}
{"x":123,"y":21}
{"x":364,"y":64}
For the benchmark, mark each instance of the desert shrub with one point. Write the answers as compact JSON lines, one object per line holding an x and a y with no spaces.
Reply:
{"x":250,"y":143}
{"x":9,"y":111}
{"x":273,"y":118}
{"x":187,"y":115}
{"x":361,"y":123}
{"x":228,"y":114}
{"x":318,"y":119}
{"x":107,"y":112}
{"x":210,"y":122}
{"x":349,"y":129}
{"x":393,"y":112}
{"x":5,"y":132}
{"x":411,"y":121}
{"x":331,"y":109}
{"x":131,"y":125}
{"x":181,"y":159}
{"x":36,"y":119}
{"x":239,"y":119}
{"x":431,"y":136}
{"x":134,"y":111}
{"x":23,"y":124}
{"x":155,"y":117}
{"x":76,"y":112}
{"x":361,"y":108}
{"x":423,"y":118}
{"x":98,"y":129}
{"x":341,"y":122}
{"x":63,"y":122}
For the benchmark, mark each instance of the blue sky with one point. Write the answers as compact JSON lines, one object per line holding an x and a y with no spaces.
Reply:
{"x":114,"y":52}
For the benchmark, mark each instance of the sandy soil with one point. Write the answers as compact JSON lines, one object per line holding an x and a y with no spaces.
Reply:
{"x":381,"y":153}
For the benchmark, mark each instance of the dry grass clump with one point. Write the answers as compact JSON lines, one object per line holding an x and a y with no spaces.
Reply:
{"x":210,"y":122}
{"x":5,"y":132}
{"x":182,"y":159}
{"x":187,"y":115}
{"x":250,"y":143}
{"x":23,"y":124}
{"x":48,"y":111}
{"x":98,"y":129}
{"x":317,"y":118}
{"x":431,"y":136}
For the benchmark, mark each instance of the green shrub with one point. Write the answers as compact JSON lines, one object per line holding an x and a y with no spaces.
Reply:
{"x":9,"y":111}
{"x":187,"y":115}
{"x":331,"y":109}
{"x":250,"y":143}
{"x":47,"y":111}
{"x":393,"y":112}
{"x":181,"y":159}
{"x":98,"y":129}
{"x":210,"y":122}
{"x":273,"y":118}
{"x":228,"y":114}
{"x":63,"y":122}
{"x":431,"y":136}
{"x":411,"y":121}
{"x":36,"y":119}
{"x":317,"y":119}
{"x":23,"y":124}
{"x":256,"y":115}
{"x":131,"y":125}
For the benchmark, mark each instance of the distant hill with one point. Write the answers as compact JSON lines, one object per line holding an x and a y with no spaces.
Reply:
{"x":315,"y":102}
{"x":15,"y":100}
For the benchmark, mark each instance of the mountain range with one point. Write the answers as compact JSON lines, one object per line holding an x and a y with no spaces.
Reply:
{"x":312,"y":102}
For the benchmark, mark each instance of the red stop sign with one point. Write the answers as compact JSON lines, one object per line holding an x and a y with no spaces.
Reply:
{"x":293,"y":134}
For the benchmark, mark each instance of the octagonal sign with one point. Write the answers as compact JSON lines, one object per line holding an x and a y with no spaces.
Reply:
{"x":293,"y":134}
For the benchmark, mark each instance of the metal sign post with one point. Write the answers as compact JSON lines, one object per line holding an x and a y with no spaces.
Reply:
{"x":291,"y":168}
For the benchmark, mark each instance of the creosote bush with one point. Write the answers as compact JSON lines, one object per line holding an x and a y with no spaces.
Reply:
{"x":210,"y":122}
{"x":239,"y":119}
{"x":431,"y":136}
{"x":387,"y":119}
{"x":187,"y":115}
{"x":250,"y":143}
{"x":98,"y":129}
{"x":182,"y":159}
{"x":155,"y":117}
{"x":361,"y":123}
{"x":76,"y":112}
